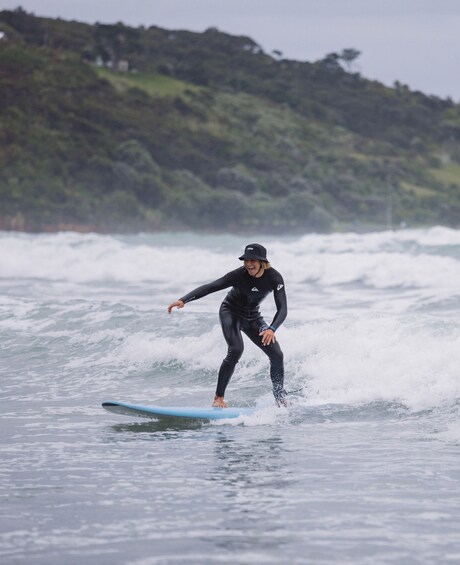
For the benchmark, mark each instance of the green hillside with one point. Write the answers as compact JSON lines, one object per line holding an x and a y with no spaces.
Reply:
{"x":108,"y":127}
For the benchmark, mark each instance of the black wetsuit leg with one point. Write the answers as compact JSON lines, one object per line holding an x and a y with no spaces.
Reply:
{"x":274,"y":353}
{"x":231,"y":328}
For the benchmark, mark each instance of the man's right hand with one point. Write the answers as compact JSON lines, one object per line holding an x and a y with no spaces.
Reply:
{"x":175,"y":304}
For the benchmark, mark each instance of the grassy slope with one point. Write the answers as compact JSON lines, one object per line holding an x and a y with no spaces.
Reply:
{"x":153,"y":84}
{"x":448,"y":174}
{"x":249,"y":121}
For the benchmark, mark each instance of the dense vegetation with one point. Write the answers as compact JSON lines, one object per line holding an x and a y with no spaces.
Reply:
{"x":116,"y":128}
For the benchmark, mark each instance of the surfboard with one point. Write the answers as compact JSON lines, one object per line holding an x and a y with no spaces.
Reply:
{"x":174,"y":412}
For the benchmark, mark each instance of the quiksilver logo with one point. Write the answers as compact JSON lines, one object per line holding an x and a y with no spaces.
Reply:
{"x":279,"y":287}
{"x":254,"y":289}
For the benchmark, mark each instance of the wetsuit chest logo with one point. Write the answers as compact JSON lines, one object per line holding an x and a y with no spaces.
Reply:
{"x":254,"y":289}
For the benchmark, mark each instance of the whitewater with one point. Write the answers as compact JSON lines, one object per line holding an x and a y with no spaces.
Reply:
{"x":363,"y":466}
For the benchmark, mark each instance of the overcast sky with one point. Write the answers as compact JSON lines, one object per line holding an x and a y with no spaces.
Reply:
{"x":414,"y":41}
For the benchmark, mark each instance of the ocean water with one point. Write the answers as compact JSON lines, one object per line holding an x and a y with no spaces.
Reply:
{"x":362,"y":468}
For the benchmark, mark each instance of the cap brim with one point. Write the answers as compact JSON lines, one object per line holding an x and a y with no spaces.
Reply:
{"x":257,"y":257}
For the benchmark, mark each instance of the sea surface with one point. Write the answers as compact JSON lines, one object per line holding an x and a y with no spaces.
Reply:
{"x":362,"y":468}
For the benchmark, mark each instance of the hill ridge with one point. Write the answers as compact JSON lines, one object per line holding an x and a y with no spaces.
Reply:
{"x":109,"y":127}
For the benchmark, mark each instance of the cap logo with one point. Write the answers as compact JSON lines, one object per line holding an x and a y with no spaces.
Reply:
{"x":250,"y":248}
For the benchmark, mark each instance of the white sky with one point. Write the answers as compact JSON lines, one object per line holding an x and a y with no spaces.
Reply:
{"x":414,"y":41}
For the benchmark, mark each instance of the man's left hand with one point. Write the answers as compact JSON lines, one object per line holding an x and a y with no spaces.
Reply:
{"x":268,"y":336}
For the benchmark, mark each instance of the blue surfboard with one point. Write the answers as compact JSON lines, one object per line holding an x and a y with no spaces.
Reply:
{"x":174,"y":412}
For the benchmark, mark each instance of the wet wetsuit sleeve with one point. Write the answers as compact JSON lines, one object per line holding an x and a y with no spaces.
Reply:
{"x":219,"y":284}
{"x":281,"y":303}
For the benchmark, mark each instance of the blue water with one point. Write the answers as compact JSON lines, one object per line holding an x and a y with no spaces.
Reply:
{"x":363,"y":467}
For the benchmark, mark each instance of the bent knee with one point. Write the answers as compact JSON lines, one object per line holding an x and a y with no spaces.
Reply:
{"x":234,"y":354}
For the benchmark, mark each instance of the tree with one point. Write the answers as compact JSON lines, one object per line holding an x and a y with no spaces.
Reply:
{"x":331,"y":62}
{"x":348,"y":56}
{"x":136,"y":171}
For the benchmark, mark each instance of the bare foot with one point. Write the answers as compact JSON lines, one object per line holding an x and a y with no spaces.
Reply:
{"x":219,"y":402}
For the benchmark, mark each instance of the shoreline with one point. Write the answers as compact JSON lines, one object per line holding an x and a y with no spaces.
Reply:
{"x":352,"y":227}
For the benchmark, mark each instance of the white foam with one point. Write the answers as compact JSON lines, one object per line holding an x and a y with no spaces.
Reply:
{"x":85,"y":258}
{"x":196,"y":351}
{"x":347,"y":360}
{"x":267,"y":414}
{"x":376,"y":358}
{"x":381,"y":260}
{"x":451,"y":434}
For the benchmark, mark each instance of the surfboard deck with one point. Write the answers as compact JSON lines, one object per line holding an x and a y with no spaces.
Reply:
{"x":174,"y":412}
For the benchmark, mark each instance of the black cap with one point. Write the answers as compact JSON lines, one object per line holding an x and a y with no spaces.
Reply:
{"x":254,"y":251}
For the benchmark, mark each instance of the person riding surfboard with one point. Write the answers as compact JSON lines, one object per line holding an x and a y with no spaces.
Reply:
{"x":239,"y":312}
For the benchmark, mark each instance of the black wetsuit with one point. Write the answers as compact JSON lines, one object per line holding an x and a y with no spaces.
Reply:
{"x":240,"y":312}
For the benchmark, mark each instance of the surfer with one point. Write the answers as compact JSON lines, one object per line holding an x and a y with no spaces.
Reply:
{"x":239,"y":312}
